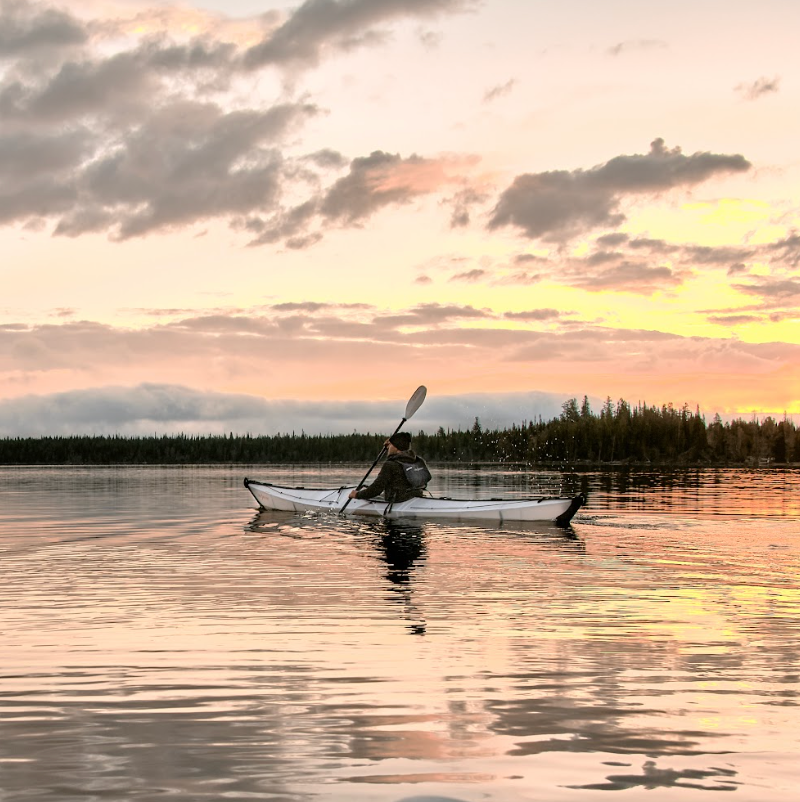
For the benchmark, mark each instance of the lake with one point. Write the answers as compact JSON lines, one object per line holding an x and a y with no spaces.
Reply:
{"x":162,"y":640}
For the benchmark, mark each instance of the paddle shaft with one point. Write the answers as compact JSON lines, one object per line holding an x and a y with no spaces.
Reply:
{"x":371,"y":467}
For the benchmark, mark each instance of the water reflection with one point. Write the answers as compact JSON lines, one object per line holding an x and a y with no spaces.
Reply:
{"x":398,"y":543}
{"x":652,"y":777}
{"x":160,"y":638}
{"x":402,"y":545}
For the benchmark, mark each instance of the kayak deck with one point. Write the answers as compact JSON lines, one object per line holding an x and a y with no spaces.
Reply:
{"x":301,"y":499}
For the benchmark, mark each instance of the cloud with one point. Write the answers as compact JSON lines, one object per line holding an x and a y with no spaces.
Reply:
{"x":432,"y":314}
{"x":372,"y":183}
{"x":787,"y":250}
{"x":304,"y":350}
{"x":470,"y":276}
{"x":736,"y":269}
{"x":148,"y":409}
{"x":224,"y":346}
{"x":132,"y":126}
{"x":28,"y":28}
{"x":758,"y":88}
{"x":320,"y":25}
{"x":645,"y":265}
{"x":187,"y":163}
{"x":462,"y":203}
{"x":499,"y":91}
{"x":379,"y":180}
{"x":125,"y":410}
{"x":610,"y":270}
{"x":784,"y":290}
{"x":613,"y":240}
{"x":522,"y":277}
{"x":637,"y":44}
{"x":558,"y":204}
{"x":534,"y":315}
{"x":33,"y":167}
{"x":734,"y":320}
{"x":624,"y":276}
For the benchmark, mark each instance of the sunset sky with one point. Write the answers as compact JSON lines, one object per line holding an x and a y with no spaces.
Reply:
{"x":230,"y":215}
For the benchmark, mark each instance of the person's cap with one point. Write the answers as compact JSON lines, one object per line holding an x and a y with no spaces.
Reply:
{"x":401,"y":440}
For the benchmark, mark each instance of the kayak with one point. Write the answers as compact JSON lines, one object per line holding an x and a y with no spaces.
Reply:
{"x":559,"y":509}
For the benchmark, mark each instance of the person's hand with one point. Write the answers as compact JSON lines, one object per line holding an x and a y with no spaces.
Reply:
{"x":352,"y":494}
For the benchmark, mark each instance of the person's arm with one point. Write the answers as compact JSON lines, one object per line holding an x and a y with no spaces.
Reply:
{"x":377,"y":487}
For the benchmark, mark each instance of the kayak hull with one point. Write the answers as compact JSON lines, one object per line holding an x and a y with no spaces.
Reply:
{"x":301,"y":499}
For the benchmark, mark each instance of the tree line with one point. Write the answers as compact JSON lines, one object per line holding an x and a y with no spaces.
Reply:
{"x":617,"y":433}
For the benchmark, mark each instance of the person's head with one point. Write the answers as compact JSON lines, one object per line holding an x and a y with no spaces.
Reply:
{"x":401,"y":441}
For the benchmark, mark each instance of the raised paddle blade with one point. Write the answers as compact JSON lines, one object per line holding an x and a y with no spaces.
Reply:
{"x":415,"y":402}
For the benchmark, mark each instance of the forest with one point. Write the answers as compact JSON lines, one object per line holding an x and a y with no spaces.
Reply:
{"x":617,"y":434}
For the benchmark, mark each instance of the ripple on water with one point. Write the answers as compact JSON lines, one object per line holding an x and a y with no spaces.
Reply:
{"x":162,"y":638}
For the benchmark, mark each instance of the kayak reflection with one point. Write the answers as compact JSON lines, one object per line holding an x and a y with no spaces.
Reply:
{"x":398,"y":543}
{"x":401,"y":545}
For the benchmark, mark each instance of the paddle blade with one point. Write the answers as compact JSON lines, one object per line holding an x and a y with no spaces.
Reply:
{"x":415,"y":402}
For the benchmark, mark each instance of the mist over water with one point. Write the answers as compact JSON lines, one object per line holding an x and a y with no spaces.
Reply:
{"x":161,"y":638}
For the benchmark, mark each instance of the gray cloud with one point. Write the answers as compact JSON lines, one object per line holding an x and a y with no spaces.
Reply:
{"x":124,"y":410}
{"x":35,"y":172}
{"x":431,"y":314}
{"x":785,"y":290}
{"x":734,"y":320}
{"x":645,"y":265}
{"x":636,"y":44}
{"x":220,"y":345}
{"x":534,"y":315}
{"x":721,"y":255}
{"x":625,"y":276}
{"x":758,"y":88}
{"x":328,"y":158}
{"x":470,"y":276}
{"x":227,"y":344}
{"x":462,"y":203}
{"x":273,"y":348}
{"x":736,"y":269}
{"x":523,"y":277}
{"x":150,"y":408}
{"x":643,"y":351}
{"x":613,"y":240}
{"x":379,"y":180}
{"x":787,"y":250}
{"x":129,"y":139}
{"x":499,"y":91}
{"x":28,"y":28}
{"x":318,"y":25}
{"x":558,"y":204}
{"x":187,"y":163}
{"x":81,"y":88}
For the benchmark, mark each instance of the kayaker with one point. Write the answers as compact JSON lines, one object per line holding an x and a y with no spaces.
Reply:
{"x":404,"y":475}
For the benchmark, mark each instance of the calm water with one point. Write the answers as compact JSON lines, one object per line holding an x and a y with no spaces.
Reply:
{"x":163,"y":641}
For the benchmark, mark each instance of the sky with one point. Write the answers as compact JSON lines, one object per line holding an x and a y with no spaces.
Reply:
{"x":271,"y":217}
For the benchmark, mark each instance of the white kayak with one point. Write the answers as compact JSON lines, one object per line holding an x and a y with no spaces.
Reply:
{"x":302,"y":499}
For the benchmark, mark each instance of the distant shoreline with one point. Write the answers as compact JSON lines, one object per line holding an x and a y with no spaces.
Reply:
{"x":620,"y":435}
{"x":576,"y":467}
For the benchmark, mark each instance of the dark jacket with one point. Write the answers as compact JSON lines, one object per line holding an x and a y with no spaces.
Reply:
{"x":391,"y":480}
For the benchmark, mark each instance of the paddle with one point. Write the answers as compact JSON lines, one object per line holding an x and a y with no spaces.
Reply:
{"x":414,"y":403}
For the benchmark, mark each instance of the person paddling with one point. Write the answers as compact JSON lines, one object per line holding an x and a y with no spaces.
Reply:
{"x":404,"y":475}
